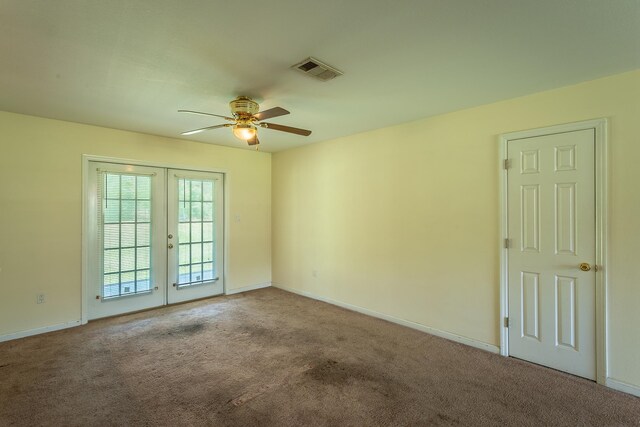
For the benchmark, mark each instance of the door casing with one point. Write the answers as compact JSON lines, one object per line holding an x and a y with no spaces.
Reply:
{"x":601,"y":197}
{"x":86,"y":158}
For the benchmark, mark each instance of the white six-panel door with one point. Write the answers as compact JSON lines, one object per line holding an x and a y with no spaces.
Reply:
{"x":551,"y":227}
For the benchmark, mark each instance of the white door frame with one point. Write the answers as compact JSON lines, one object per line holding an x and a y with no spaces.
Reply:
{"x":601,"y":208}
{"x":86,"y":158}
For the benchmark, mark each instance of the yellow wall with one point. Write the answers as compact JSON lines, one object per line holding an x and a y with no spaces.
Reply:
{"x":41,"y":210}
{"x":404,"y":220}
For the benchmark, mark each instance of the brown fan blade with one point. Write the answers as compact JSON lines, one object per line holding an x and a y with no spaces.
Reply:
{"x":254,"y":140}
{"x":270,"y":113}
{"x":289,"y":129}
{"x":207,"y":114}
{"x":191,"y":132}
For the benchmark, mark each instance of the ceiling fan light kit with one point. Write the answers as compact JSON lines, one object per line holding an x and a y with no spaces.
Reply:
{"x":246,"y":119}
{"x":244,"y":132}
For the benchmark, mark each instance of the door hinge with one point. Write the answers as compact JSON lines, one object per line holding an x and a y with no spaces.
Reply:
{"x":506,"y":322}
{"x":507,"y":243}
{"x":507,"y":163}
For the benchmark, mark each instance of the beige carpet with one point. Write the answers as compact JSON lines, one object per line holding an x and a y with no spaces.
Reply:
{"x":273,"y":358}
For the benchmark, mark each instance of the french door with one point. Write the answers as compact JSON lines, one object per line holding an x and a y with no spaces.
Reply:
{"x":155,"y":237}
{"x":195,"y":235}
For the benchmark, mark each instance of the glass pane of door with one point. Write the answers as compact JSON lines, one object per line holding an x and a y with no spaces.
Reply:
{"x":195,"y":235}
{"x":126,"y":234}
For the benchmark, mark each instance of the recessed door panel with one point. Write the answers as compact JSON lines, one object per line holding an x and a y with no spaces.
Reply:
{"x":565,"y":158}
{"x":566,"y":311}
{"x":529,"y":161}
{"x":565,"y":218}
{"x":530,"y":221}
{"x":529,"y":305}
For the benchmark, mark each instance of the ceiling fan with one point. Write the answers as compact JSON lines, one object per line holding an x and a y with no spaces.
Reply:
{"x":246,"y":120}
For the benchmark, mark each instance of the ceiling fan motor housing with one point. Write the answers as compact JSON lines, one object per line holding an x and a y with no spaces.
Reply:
{"x":243,"y":106}
{"x":246,"y":120}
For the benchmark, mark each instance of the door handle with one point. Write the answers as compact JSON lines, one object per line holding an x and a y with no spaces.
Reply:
{"x":170,"y":246}
{"x":585,"y":266}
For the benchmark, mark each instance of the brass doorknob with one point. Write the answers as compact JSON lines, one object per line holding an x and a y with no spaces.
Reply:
{"x":585,"y":266}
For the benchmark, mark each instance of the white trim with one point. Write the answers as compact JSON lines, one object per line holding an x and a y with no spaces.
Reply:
{"x":420,"y":327}
{"x":602,"y":245}
{"x":600,"y":127}
{"x":623,"y":387}
{"x":84,"y":242}
{"x":226,"y":220}
{"x":248,"y":288}
{"x":138,"y":162}
{"x":41,"y":330}
{"x":504,"y":253}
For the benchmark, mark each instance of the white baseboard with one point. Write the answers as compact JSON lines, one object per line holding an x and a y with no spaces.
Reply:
{"x":433,"y":331}
{"x":248,"y":288}
{"x":37,"y":331}
{"x":622,"y":386}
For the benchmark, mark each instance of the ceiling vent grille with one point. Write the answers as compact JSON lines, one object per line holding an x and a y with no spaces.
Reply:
{"x":317,"y":69}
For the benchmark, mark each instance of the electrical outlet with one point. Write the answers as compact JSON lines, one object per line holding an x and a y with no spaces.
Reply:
{"x":40,"y":299}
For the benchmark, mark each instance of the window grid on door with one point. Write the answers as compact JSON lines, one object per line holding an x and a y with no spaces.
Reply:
{"x":196,"y":232}
{"x":125,"y":222}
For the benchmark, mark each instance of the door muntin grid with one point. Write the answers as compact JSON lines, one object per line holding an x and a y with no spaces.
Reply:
{"x":197,"y":262}
{"x":125,"y":234}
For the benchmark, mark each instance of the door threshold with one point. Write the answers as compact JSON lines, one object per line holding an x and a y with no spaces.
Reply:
{"x":157,"y":308}
{"x":560,"y":371}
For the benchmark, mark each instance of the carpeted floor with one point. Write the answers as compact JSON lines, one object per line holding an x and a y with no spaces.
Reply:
{"x":269,"y":357}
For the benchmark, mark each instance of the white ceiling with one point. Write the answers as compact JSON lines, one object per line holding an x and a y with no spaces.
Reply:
{"x":131,"y":64}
